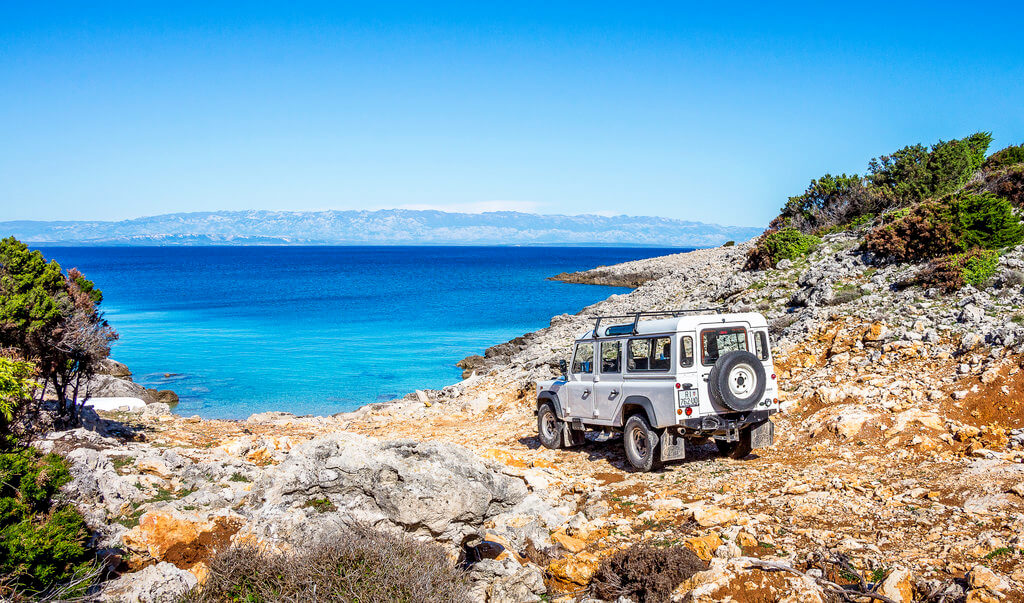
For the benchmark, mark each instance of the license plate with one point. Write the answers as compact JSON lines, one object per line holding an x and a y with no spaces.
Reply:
{"x":688,"y":397}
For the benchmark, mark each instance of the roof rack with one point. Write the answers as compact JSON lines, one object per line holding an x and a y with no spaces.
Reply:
{"x":636,"y":316}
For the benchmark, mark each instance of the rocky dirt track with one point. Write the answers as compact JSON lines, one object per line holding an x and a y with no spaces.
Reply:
{"x":900,"y":446}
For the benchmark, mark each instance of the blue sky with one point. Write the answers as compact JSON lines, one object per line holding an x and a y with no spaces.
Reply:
{"x":711,"y":113}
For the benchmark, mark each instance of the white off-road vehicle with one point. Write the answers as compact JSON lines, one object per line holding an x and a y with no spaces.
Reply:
{"x":662,"y":378}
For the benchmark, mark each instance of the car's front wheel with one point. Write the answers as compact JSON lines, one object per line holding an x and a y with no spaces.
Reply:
{"x":640,"y":442}
{"x":549,"y":428}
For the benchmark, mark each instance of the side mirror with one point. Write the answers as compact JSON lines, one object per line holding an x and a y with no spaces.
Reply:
{"x":564,"y":367}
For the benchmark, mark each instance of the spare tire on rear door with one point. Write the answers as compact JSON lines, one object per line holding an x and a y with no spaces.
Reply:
{"x":737,"y":380}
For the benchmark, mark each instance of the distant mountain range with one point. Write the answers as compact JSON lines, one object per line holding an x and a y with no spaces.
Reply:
{"x":380,"y":227}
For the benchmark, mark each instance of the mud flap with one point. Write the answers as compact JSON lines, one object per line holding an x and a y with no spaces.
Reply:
{"x":763,"y":435}
{"x":673,"y":446}
{"x":572,"y":437}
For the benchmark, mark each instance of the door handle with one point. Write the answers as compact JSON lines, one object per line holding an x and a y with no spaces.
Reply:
{"x":586,"y":393}
{"x":613,"y":393}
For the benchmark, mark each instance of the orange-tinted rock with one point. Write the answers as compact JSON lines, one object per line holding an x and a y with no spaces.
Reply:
{"x":704,"y":546}
{"x":181,"y":539}
{"x":575,"y":569}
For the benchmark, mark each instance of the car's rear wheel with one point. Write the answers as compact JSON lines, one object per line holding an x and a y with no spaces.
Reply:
{"x":736,"y":450}
{"x":549,"y":428}
{"x":640,"y":442}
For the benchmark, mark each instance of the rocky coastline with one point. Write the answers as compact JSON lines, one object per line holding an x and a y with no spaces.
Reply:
{"x":900,"y":447}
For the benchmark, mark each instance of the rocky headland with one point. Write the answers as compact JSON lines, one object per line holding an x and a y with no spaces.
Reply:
{"x":900,"y":448}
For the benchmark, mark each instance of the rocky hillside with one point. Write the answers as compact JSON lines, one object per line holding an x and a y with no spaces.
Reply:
{"x":898,"y":466}
{"x":380,"y":227}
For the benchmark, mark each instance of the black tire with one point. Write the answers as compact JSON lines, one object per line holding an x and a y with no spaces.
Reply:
{"x":639,"y":440}
{"x":736,"y":450}
{"x":549,"y":427}
{"x":737,"y":380}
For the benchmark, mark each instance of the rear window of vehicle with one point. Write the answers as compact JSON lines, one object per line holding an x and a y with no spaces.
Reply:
{"x":649,"y":354}
{"x":686,"y":351}
{"x":715,"y":342}
{"x":761,"y":345}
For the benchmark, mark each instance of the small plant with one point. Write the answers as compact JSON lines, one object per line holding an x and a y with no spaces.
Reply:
{"x":321,"y":505}
{"x":645,"y":573}
{"x":357,"y":564}
{"x":879,"y":574}
{"x":1003,"y":550}
{"x":785,"y":244}
{"x":120,"y":462}
{"x":952,"y":272}
{"x":238,"y":477}
{"x":729,"y":244}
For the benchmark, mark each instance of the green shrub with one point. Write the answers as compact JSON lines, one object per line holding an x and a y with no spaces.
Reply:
{"x":936,"y":228}
{"x":829,"y":202}
{"x":42,"y":544}
{"x":729,"y":244}
{"x":987,"y":221}
{"x":952,"y":272}
{"x":356,"y":563}
{"x":15,"y":388}
{"x":915,"y":173}
{"x":785,"y":244}
{"x":1011,"y":155}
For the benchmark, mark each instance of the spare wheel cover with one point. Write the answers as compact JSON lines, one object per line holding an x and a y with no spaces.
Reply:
{"x":737,"y":380}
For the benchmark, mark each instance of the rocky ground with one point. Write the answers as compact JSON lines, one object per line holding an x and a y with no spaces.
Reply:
{"x":900,"y":446}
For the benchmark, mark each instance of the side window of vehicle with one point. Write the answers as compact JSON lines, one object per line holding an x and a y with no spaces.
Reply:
{"x":761,"y":345}
{"x":583,"y":359}
{"x":611,"y":355}
{"x":686,"y":351}
{"x":661,"y":354}
{"x":649,"y":354}
{"x":715,"y":342}
{"x":639,"y":355}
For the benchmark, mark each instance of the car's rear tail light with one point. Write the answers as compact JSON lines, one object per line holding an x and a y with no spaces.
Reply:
{"x":773,"y":376}
{"x":776,"y":400}
{"x":689,"y":411}
{"x":678,"y":386}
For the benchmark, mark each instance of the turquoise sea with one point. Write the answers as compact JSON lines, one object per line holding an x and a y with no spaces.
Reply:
{"x":319,"y":330}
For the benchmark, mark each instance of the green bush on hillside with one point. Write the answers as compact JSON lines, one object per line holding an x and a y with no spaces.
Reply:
{"x":916,"y":173}
{"x":936,"y":228}
{"x":1011,"y":155}
{"x":43,"y":544}
{"x":828,"y":202}
{"x":785,"y":244}
{"x":952,"y":272}
{"x":15,"y":389}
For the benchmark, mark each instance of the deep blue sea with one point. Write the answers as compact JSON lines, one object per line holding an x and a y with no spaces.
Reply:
{"x":319,"y":330}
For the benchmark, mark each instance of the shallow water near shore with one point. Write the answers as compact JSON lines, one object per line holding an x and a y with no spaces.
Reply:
{"x":320,"y":330}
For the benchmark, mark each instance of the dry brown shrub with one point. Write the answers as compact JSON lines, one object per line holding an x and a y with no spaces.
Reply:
{"x":358,"y":563}
{"x":645,"y":573}
{"x":923,"y":232}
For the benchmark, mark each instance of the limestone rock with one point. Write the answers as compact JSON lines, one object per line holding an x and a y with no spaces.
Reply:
{"x":431,"y":489}
{"x":707,"y":516}
{"x":157,"y":583}
{"x":180,"y":538}
{"x":898,"y":586}
{"x":981,"y":577}
{"x":575,"y":569}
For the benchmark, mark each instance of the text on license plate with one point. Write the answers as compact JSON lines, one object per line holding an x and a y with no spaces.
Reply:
{"x":688,"y":397}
